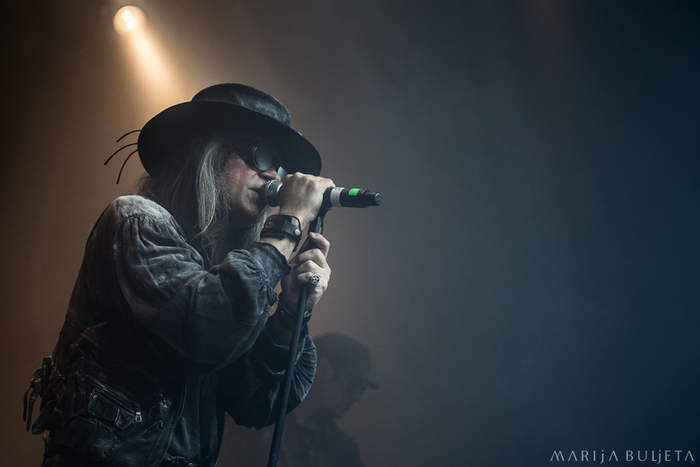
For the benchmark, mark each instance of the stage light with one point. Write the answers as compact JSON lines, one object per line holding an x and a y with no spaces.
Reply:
{"x":128,"y":19}
{"x":153,"y":70}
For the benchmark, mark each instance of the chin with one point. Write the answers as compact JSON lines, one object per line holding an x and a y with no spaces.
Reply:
{"x":340,"y":412}
{"x":258,"y":217}
{"x":248,"y":216}
{"x":257,"y":211}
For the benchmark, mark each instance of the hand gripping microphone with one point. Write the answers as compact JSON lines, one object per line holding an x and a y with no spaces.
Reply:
{"x":332,"y":197}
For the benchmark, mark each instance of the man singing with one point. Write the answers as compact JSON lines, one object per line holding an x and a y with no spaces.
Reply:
{"x":174,"y":318}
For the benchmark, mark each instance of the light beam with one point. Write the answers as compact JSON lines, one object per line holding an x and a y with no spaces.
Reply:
{"x":157,"y":76}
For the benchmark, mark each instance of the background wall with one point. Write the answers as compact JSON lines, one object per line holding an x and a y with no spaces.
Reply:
{"x":530,"y":283}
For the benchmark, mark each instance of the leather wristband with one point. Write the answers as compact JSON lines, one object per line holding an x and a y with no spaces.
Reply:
{"x":283,"y":226}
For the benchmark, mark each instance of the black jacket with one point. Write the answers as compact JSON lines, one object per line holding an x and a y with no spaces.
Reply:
{"x":155,"y":348}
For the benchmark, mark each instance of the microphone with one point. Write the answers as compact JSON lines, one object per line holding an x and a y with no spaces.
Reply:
{"x":332,"y":197}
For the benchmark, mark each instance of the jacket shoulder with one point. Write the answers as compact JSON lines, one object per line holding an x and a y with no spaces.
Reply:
{"x":127,"y":206}
{"x":136,"y":210}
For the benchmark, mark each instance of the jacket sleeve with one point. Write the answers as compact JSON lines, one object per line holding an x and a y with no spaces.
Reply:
{"x":250,"y":388}
{"x":210,"y":317}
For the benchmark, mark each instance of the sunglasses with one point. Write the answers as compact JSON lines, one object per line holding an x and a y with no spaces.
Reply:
{"x":259,"y":155}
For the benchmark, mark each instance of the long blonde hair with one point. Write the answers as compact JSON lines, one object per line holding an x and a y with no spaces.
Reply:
{"x":194,"y":195}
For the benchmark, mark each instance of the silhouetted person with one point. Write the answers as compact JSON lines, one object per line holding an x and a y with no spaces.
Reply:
{"x":311,"y":436}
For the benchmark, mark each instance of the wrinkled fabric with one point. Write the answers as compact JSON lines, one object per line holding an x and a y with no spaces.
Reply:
{"x":180,"y":343}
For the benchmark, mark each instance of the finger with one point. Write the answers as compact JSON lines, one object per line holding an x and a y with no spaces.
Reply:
{"x":314,"y":255}
{"x":320,"y":242}
{"x":305,"y":278}
{"x":310,"y":266}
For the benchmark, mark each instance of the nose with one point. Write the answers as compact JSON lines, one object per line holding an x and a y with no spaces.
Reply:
{"x":270,"y":174}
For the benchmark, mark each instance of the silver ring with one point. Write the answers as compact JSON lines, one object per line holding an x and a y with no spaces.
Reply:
{"x":314,"y":279}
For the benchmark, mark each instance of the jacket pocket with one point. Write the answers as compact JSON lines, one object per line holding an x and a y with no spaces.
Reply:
{"x":98,"y":418}
{"x":114,"y":427}
{"x":114,"y":409}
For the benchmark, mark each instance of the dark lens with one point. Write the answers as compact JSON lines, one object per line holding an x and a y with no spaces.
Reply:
{"x":264,"y":156}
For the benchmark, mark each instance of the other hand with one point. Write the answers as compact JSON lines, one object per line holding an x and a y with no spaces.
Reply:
{"x":304,"y":266}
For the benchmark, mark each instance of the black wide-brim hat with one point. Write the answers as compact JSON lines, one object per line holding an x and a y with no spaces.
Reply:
{"x":222,"y":110}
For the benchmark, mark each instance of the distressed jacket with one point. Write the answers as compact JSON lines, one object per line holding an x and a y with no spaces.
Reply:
{"x":155,"y":347}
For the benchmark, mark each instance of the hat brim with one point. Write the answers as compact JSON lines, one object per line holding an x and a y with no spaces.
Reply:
{"x":162,"y":138}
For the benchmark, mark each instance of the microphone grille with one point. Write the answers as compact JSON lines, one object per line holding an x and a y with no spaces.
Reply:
{"x":271,"y":192}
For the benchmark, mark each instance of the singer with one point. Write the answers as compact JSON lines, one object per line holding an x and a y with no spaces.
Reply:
{"x":174,"y":318}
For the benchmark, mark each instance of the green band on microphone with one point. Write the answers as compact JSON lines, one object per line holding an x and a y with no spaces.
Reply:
{"x":353,"y":191}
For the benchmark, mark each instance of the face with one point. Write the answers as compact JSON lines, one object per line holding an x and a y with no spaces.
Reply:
{"x":350,"y":390}
{"x":336,"y":391}
{"x":243,"y":184}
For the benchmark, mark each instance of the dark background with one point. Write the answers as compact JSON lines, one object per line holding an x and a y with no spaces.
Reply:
{"x":530,"y":283}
